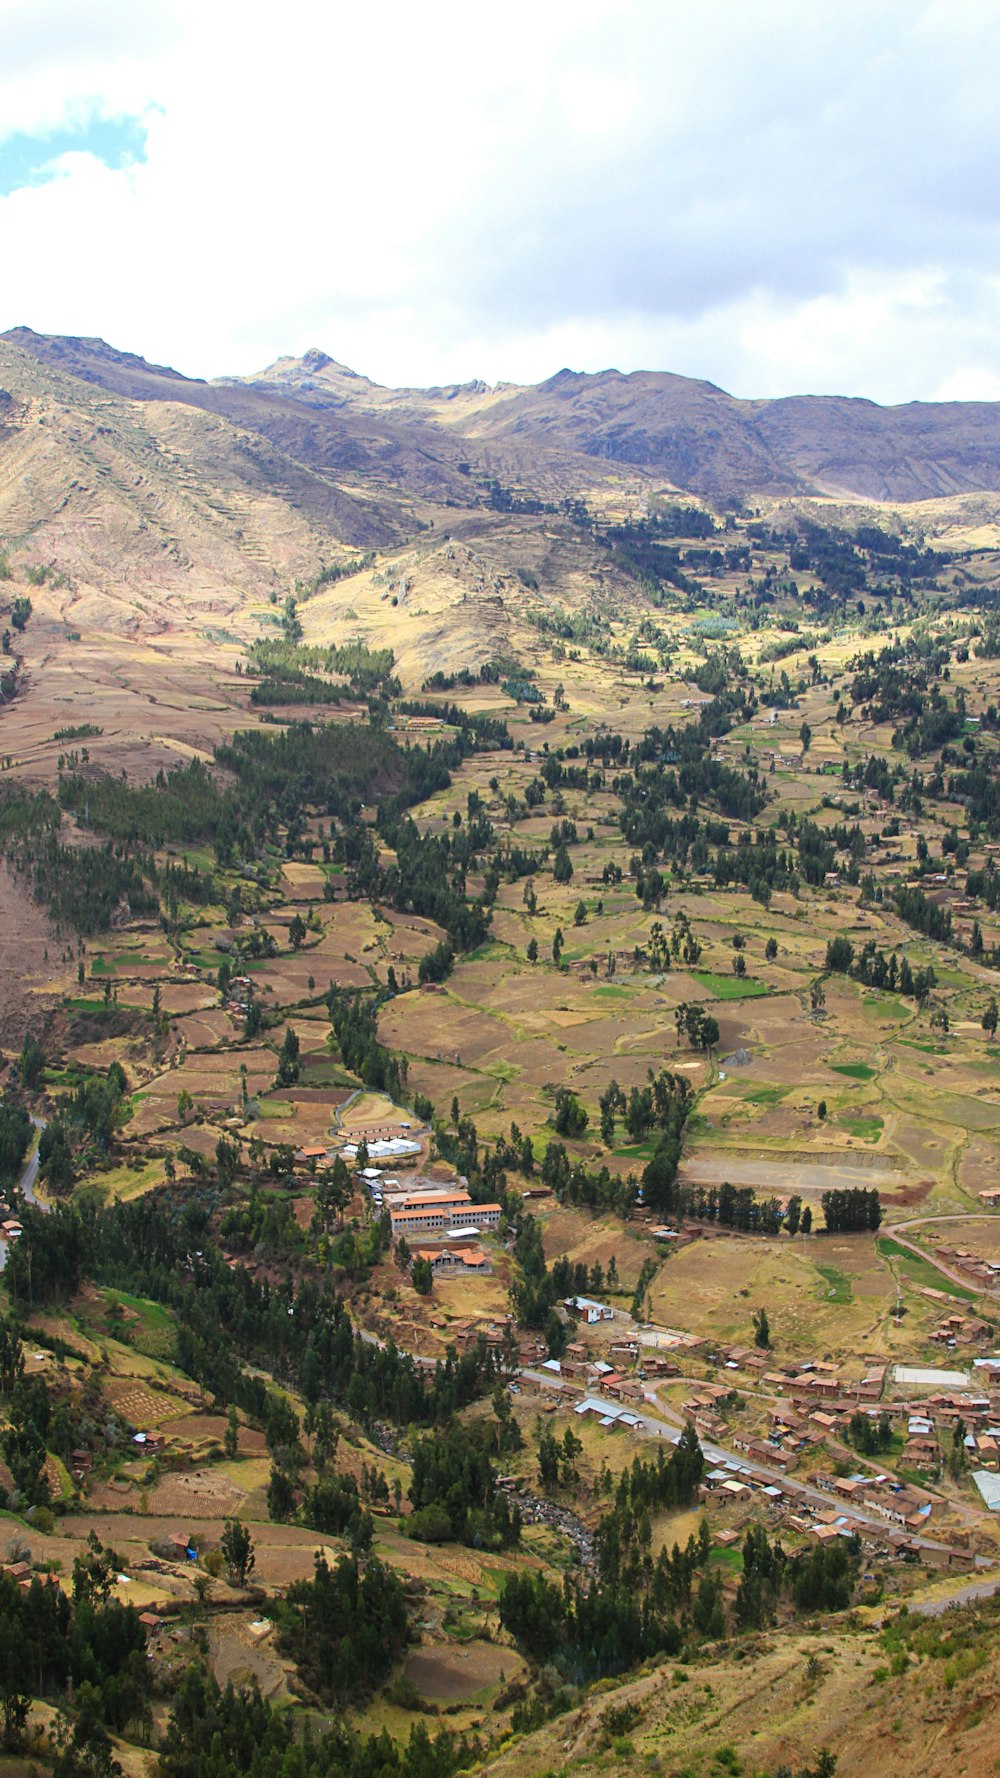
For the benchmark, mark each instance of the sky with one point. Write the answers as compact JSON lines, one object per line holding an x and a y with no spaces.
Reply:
{"x":793,"y":196}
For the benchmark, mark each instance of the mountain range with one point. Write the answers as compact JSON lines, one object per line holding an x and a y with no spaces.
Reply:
{"x":677,"y":430}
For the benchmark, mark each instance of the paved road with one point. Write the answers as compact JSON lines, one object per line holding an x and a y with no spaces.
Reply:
{"x":967,"y":1595}
{"x":26,"y":1183}
{"x":664,"y":1424}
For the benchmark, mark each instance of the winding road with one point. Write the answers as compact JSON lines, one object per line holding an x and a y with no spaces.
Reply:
{"x":26,"y":1183}
{"x":892,"y":1231}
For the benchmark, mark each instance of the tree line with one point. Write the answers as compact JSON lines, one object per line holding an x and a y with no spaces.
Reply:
{"x":229,"y":1323}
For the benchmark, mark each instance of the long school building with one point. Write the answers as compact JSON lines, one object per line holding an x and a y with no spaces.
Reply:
{"x":437,"y":1216}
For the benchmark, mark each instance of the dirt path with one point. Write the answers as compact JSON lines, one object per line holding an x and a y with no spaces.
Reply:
{"x":787,"y":1175}
{"x":913,"y":1222}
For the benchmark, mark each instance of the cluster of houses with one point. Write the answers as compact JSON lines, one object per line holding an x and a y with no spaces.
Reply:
{"x":22,"y":1574}
{"x":982,"y":1272}
{"x":809,"y":1402}
{"x":961,"y":1330}
{"x":904,"y":1510}
{"x":980,"y":1430}
{"x":809,"y":1379}
{"x":239,"y":994}
{"x":795,"y":1427}
{"x":895,"y":1502}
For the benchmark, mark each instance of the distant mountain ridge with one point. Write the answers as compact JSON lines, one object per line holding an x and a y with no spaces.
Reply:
{"x":678,"y":429}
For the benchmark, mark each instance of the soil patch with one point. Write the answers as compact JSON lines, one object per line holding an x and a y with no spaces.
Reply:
{"x":450,"y":1674}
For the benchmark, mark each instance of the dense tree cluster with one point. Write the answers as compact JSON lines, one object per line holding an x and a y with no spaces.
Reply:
{"x":90,"y":1646}
{"x":354,"y":1018}
{"x":734,"y":1207}
{"x":216,"y":1733}
{"x":344,"y":1629}
{"x":662,"y":1104}
{"x":454,"y":1494}
{"x":868,"y":1435}
{"x":851,"y":1210}
{"x":230,"y":1324}
{"x":917,"y":909}
{"x":574,"y":1183}
{"x":630,"y":1610}
{"x":871,"y":966}
{"x":15,"y":1139}
{"x":699,"y":1027}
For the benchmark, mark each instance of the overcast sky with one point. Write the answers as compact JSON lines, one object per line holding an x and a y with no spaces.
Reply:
{"x":781,"y":196}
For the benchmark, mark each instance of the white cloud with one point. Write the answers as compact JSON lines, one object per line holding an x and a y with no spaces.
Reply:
{"x":773,"y":197}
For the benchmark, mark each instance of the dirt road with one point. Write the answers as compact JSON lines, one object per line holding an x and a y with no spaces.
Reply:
{"x":930,"y":1259}
{"x":788,"y":1175}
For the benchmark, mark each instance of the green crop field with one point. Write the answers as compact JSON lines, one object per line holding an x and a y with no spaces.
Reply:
{"x":729,"y":987}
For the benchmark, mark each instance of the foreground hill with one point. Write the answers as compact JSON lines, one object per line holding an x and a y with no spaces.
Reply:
{"x":919,"y":1695}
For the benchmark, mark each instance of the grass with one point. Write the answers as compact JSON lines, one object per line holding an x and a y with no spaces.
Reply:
{"x":729,"y":1561}
{"x":876,"y":1008}
{"x":502,"y":1071}
{"x":729,"y":987}
{"x":839,"y":1288}
{"x":868,"y":1128}
{"x":855,"y":1070}
{"x":153,"y":1314}
{"x":920,"y":1271}
{"x":490,"y":951}
{"x":127,"y":1181}
{"x":639,"y":1151}
{"x":275,"y":1108}
{"x":64,"y":1077}
{"x":765,"y":1096}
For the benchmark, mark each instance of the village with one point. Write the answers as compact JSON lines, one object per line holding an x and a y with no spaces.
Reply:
{"x":783,"y":1440}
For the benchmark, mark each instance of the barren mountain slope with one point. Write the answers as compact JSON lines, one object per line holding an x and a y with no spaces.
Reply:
{"x":387,"y":455}
{"x":453,"y":597}
{"x":424,"y":446}
{"x":160,"y":495}
{"x":919,"y":451}
{"x":694,"y":434}
{"x":711,"y":443}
